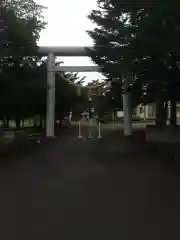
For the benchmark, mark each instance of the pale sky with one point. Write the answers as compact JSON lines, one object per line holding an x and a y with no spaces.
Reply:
{"x":67,"y":24}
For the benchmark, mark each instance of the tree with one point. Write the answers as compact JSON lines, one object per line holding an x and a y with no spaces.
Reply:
{"x":23,"y":92}
{"x":20,"y":25}
{"x":140,"y":39}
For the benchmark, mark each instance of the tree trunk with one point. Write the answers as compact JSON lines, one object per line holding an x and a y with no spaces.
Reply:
{"x":6,"y":121}
{"x":160,"y":117}
{"x":22,"y":123}
{"x":41,"y":122}
{"x":173,"y":112}
{"x":35,"y":123}
{"x":18,"y":123}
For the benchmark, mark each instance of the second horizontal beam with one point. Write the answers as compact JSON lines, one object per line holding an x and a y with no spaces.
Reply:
{"x":77,"y":69}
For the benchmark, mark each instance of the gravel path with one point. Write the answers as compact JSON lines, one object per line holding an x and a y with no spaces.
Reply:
{"x":73,"y":190}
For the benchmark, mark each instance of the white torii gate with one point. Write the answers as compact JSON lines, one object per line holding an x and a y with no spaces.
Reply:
{"x":51,"y":52}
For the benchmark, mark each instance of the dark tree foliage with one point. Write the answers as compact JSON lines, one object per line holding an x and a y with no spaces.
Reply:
{"x":140,"y":39}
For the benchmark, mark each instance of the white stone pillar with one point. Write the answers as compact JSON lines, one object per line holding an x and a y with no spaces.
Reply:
{"x":50,"y":111}
{"x":127,"y":114}
{"x":127,"y":109}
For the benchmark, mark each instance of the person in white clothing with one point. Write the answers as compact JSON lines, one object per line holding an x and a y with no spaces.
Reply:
{"x":70,"y":117}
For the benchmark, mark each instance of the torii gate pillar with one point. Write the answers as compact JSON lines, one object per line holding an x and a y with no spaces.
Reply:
{"x":127,"y":114}
{"x":50,"y":112}
{"x":127,"y":108}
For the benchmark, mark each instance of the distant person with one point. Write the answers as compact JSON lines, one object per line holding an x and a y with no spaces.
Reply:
{"x":70,"y":117}
{"x":85,"y":115}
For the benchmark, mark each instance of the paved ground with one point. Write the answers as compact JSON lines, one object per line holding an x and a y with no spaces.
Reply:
{"x":77,"y":190}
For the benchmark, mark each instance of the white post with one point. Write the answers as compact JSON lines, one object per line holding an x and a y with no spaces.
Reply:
{"x":145,"y":115}
{"x":79,"y":130}
{"x":127,"y":108}
{"x":90,"y":128}
{"x":99,"y":130}
{"x":50,"y":112}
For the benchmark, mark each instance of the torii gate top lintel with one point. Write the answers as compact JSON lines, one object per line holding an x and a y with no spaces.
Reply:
{"x":65,"y":51}
{"x":51,"y":52}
